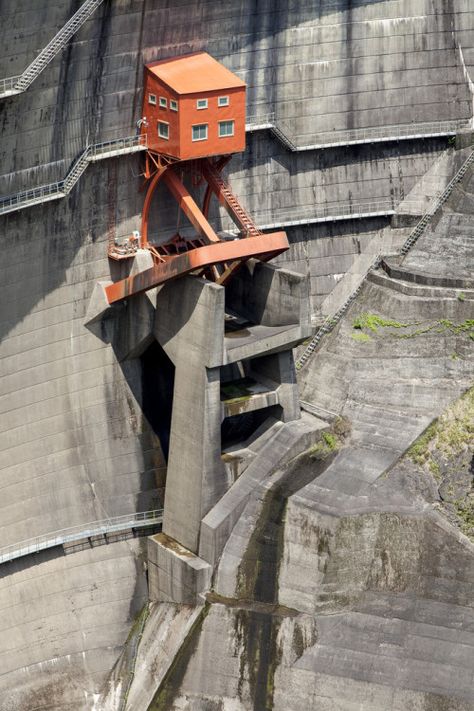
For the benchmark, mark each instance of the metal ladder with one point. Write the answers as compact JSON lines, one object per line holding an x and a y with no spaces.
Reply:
{"x":244,"y":218}
{"x":18,"y":84}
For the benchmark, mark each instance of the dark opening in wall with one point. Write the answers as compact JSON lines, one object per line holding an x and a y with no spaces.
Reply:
{"x":157,"y":392}
{"x":239,"y":428}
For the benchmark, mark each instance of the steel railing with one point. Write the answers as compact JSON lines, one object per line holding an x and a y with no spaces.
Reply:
{"x":51,"y":191}
{"x":436,"y":205}
{"x":376,"y":134}
{"x":332,"y":321}
{"x":21,"y":82}
{"x":269,"y":218}
{"x":81,"y":532}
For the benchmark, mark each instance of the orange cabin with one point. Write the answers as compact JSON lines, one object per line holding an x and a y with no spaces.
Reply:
{"x":193,"y":107}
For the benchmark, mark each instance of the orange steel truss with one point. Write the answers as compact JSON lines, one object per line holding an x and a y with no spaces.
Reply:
{"x":208,"y":254}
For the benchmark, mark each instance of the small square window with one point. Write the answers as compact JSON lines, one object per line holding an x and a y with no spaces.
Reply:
{"x":223,"y":101}
{"x":173,"y":105}
{"x":163,"y":102}
{"x":201,"y":104}
{"x":163,"y":130}
{"x":200,"y":132}
{"x":152,"y":99}
{"x":226,"y":128}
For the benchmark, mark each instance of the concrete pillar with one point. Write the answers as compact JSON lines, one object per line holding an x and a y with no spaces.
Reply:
{"x":190,"y":327}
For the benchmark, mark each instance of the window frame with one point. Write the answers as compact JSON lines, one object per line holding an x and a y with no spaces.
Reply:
{"x":173,"y":105}
{"x":164,"y":123}
{"x":163,"y":102}
{"x":198,"y":125}
{"x":226,"y":135}
{"x":202,"y":108}
{"x":152,"y":99}
{"x":226,"y":98}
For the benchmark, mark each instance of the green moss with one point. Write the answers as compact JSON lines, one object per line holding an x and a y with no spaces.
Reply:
{"x":374,"y":322}
{"x":461,"y":296}
{"x":419,"y":452}
{"x":327,"y":445}
{"x":465,"y":511}
{"x":361,"y":337}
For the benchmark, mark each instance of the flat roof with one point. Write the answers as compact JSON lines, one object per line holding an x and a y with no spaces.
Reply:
{"x":194,"y":73}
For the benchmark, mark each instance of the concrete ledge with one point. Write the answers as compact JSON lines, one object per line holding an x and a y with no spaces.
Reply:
{"x":175,"y":574}
{"x":398,"y":271}
{"x":416,"y":290}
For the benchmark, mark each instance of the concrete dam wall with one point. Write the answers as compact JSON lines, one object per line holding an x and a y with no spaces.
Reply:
{"x":78,"y":440}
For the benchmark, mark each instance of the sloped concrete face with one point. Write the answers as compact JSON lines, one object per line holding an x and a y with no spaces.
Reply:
{"x":74,"y":444}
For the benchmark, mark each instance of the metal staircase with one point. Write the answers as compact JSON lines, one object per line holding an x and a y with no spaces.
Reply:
{"x":18,"y":84}
{"x":332,"y":321}
{"x":248,"y":225}
{"x":54,"y":191}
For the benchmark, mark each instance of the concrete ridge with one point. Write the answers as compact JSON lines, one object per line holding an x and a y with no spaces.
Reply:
{"x":106,"y":526}
{"x":20,"y":83}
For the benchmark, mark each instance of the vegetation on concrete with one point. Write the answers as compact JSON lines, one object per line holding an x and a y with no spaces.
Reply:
{"x":361,"y":337}
{"x":367,"y":324}
{"x":374,"y":322}
{"x":446,"y":450}
{"x":331,"y":440}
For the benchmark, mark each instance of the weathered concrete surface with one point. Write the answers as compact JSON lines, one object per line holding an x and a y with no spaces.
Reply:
{"x":74,"y":444}
{"x":63,"y":622}
{"x":175,"y":574}
{"x":336,"y":589}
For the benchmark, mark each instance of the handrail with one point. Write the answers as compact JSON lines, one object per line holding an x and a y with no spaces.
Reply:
{"x":321,"y":213}
{"x":19,"y":83}
{"x":436,"y":205}
{"x":375,"y":134}
{"x":332,"y":321}
{"x":80,"y":532}
{"x":61,"y":188}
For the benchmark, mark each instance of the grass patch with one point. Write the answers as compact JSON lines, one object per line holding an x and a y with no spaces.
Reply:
{"x":373,"y":322}
{"x":419,"y":452}
{"x":328,"y":444}
{"x":361,"y":337}
{"x":465,"y":511}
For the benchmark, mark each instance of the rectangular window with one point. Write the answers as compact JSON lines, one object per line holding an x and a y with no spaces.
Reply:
{"x":163,"y":103}
{"x":200,"y":132}
{"x":223,"y":101}
{"x":152,"y":99}
{"x":226,"y":128}
{"x":163,"y":130}
{"x":173,"y":105}
{"x":201,"y":104}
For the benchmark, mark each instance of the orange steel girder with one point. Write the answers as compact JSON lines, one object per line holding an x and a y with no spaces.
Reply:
{"x":189,"y":207}
{"x":231,"y":254}
{"x":263,"y":247}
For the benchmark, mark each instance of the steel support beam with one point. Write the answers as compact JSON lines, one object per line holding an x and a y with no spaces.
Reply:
{"x":263,"y":247}
{"x":189,"y":207}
